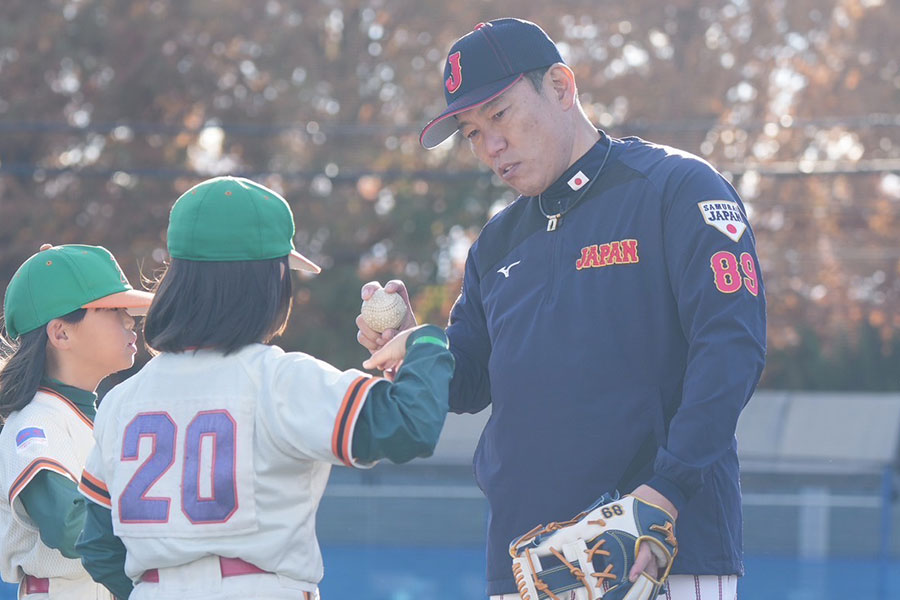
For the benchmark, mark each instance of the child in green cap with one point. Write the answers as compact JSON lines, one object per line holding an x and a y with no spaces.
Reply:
{"x":210,"y":462}
{"x":68,"y":315}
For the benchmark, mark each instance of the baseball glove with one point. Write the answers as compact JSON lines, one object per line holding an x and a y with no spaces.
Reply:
{"x":589,"y":556}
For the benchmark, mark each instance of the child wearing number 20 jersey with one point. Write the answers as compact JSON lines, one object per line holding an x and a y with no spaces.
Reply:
{"x":210,"y":462}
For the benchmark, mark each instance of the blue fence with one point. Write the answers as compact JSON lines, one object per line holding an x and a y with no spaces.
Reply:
{"x":404,"y":573}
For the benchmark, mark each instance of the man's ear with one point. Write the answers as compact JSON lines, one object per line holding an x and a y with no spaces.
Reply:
{"x":58,"y":334}
{"x":562,"y":81}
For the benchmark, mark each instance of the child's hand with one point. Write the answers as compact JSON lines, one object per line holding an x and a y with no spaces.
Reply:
{"x":390,"y":356}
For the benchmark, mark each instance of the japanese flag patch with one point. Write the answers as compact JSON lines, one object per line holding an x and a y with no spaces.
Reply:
{"x":28,"y":436}
{"x":724,"y":215}
{"x":578,"y":180}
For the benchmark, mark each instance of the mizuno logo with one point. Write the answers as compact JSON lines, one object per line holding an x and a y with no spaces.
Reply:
{"x":505,"y":270}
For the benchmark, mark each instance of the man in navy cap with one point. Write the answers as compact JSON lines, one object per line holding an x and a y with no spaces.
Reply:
{"x":613,"y":316}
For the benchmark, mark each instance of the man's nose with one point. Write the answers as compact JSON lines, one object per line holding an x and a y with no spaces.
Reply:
{"x":495,"y":142}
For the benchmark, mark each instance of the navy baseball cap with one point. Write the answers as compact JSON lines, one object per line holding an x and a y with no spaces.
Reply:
{"x":483,"y":64}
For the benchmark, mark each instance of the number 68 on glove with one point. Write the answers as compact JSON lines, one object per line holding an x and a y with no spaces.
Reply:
{"x":592,"y":554}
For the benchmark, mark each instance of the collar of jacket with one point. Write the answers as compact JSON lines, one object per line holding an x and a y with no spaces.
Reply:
{"x":588,"y":164}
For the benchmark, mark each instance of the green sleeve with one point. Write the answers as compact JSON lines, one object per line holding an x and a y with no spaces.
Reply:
{"x":402,"y":420}
{"x":102,"y":553}
{"x":53,"y":502}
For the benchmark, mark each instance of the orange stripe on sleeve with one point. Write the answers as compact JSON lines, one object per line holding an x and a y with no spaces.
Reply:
{"x":335,"y":442}
{"x":36,"y":466}
{"x":94,"y":480}
{"x":98,"y":498}
{"x":350,"y":425}
{"x":94,"y":489}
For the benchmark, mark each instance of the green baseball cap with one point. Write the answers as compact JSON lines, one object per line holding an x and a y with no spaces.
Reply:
{"x":60,"y":279}
{"x":233,"y":219}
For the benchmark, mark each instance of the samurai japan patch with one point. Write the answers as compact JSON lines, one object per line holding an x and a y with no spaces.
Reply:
{"x":724,"y":215}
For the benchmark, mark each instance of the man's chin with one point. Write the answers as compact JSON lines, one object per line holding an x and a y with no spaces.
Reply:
{"x":524,"y":190}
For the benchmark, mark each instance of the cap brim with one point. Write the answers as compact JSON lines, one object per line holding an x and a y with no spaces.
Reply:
{"x":298,"y":262}
{"x":135,"y":302}
{"x":443,"y":126}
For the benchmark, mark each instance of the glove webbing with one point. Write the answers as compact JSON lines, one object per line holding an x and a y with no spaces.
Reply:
{"x":539,"y":530}
{"x":579,"y":576}
{"x":577,"y":573}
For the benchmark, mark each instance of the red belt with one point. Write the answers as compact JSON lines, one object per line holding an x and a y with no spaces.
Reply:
{"x":229,"y":567}
{"x":36,"y":585}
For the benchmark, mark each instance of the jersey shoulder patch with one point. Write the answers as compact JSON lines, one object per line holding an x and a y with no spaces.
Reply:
{"x":724,"y":215}
{"x":28,"y":436}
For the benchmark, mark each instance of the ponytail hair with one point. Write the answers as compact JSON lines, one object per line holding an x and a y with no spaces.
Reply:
{"x":24,"y":366}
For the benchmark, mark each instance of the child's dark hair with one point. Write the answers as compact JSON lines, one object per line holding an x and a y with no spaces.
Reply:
{"x":218,"y":305}
{"x":24,"y":367}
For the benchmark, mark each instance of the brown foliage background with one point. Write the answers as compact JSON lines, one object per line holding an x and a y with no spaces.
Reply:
{"x":109,"y":110}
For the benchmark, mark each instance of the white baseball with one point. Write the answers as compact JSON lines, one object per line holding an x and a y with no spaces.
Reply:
{"x":384,"y":311}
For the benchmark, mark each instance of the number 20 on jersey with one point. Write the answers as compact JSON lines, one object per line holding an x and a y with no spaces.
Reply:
{"x":216,"y":505}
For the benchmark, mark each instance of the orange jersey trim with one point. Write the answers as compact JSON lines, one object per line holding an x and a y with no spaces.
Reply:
{"x":345,"y":421}
{"x":94,"y":489}
{"x":35,"y":467}
{"x":94,"y":481}
{"x":340,"y":418}
{"x":351,"y":418}
{"x":70,"y":404}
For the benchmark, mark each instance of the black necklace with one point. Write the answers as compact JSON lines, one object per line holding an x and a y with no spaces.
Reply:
{"x":553,"y":220}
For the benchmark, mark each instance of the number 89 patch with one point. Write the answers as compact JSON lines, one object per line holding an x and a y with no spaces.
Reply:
{"x":731,"y":273}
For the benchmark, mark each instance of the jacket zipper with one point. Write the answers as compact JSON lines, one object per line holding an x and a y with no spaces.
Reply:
{"x":550,"y":298}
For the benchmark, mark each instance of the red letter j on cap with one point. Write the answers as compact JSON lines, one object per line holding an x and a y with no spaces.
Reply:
{"x":455,"y":80}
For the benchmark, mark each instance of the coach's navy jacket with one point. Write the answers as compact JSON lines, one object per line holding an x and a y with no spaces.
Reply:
{"x":615,"y":351}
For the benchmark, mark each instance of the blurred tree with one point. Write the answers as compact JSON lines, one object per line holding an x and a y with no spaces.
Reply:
{"x":109,"y":110}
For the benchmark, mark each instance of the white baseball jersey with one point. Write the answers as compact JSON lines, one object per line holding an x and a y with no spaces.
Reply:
{"x":52,"y":434}
{"x":203,"y":454}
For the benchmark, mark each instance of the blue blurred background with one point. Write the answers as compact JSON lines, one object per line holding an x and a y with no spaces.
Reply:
{"x":416,"y":573}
